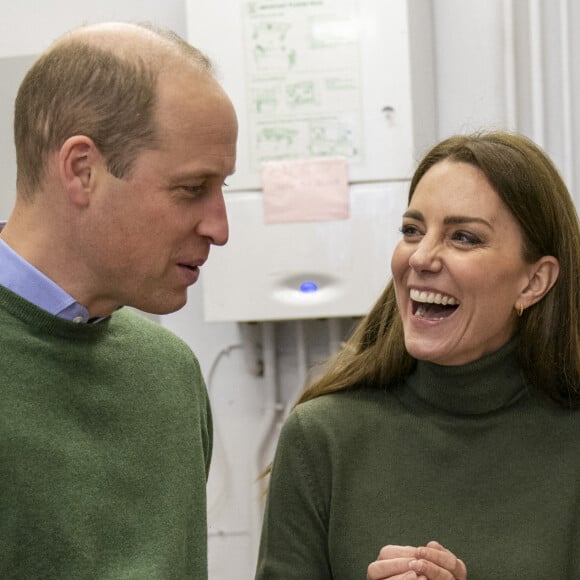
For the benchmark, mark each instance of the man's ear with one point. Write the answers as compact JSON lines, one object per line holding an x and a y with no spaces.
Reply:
{"x":543,"y":276}
{"x":78,"y":161}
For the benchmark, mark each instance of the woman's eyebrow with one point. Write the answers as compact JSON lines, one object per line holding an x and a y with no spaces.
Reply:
{"x":414,"y":214}
{"x":462,"y":219}
{"x":449,"y":220}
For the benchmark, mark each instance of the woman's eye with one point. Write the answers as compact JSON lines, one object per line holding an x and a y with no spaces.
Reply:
{"x":409,"y":230}
{"x":466,"y":238}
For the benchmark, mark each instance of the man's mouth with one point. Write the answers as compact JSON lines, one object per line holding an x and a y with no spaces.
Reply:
{"x":193,"y":266}
{"x":432,"y":305}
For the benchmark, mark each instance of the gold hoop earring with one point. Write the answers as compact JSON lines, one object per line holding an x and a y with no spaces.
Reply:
{"x":520,"y":309}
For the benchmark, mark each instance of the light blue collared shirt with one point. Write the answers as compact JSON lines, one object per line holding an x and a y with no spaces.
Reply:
{"x":24,"y":279}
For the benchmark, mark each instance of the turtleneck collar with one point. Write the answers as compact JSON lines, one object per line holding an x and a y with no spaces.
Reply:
{"x":482,"y":386}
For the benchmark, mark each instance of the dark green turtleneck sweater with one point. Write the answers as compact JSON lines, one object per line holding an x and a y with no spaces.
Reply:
{"x":463,"y":455}
{"x":105,"y":443}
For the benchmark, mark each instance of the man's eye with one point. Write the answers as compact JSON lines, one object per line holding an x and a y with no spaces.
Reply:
{"x":193,"y":189}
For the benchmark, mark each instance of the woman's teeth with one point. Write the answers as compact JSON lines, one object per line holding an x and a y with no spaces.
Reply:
{"x":433,"y":298}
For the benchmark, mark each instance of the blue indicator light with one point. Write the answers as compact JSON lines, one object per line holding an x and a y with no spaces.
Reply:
{"x":308,"y":286}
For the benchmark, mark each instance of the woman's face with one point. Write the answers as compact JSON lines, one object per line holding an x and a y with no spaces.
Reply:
{"x":458,"y":270}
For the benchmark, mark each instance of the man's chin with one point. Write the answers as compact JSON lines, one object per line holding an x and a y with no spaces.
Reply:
{"x":166,"y":306}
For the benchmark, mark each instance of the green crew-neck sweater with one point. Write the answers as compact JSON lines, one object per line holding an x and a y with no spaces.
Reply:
{"x":467,"y":456}
{"x":105,"y":443}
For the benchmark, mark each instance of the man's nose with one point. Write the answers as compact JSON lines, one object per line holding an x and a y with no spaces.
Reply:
{"x":214,"y":224}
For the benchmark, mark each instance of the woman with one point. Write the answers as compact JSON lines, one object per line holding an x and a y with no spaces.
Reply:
{"x":450,"y":414}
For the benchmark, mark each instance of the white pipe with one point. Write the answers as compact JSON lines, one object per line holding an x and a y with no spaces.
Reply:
{"x":268,"y":423}
{"x":509,"y":59}
{"x":536,"y":72}
{"x":334,"y":335}
{"x":568,"y":147}
{"x":301,"y":358}
{"x":302,"y":366}
{"x":219,"y":450}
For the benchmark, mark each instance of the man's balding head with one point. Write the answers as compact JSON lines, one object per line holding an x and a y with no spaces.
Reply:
{"x":99,"y":81}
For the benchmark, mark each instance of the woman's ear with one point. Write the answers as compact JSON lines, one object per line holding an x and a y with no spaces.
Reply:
{"x":78,"y":159}
{"x":543,"y":276}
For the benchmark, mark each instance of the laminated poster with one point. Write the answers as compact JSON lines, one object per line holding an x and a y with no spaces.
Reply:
{"x":305,"y":190}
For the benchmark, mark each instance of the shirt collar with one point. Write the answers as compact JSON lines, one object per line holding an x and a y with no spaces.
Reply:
{"x":22,"y":278}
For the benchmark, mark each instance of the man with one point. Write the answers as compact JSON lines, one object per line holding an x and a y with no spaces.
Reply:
{"x":124,"y":139}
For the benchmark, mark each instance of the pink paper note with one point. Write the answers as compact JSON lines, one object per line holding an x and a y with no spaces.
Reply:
{"x":305,"y":190}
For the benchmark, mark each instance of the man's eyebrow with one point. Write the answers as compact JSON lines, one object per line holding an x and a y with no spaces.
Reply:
{"x":449,"y":220}
{"x":195,"y":175}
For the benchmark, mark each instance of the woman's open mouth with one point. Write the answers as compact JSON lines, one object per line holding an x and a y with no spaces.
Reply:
{"x":432,"y":305}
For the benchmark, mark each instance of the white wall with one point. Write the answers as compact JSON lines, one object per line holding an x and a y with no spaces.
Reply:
{"x":469,"y":57}
{"x":472,"y":84}
{"x":28,"y":26}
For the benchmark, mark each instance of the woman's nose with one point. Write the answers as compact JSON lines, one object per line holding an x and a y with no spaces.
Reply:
{"x":426,"y":256}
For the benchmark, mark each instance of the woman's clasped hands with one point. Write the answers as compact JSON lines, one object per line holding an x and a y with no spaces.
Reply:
{"x":430,"y":562}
